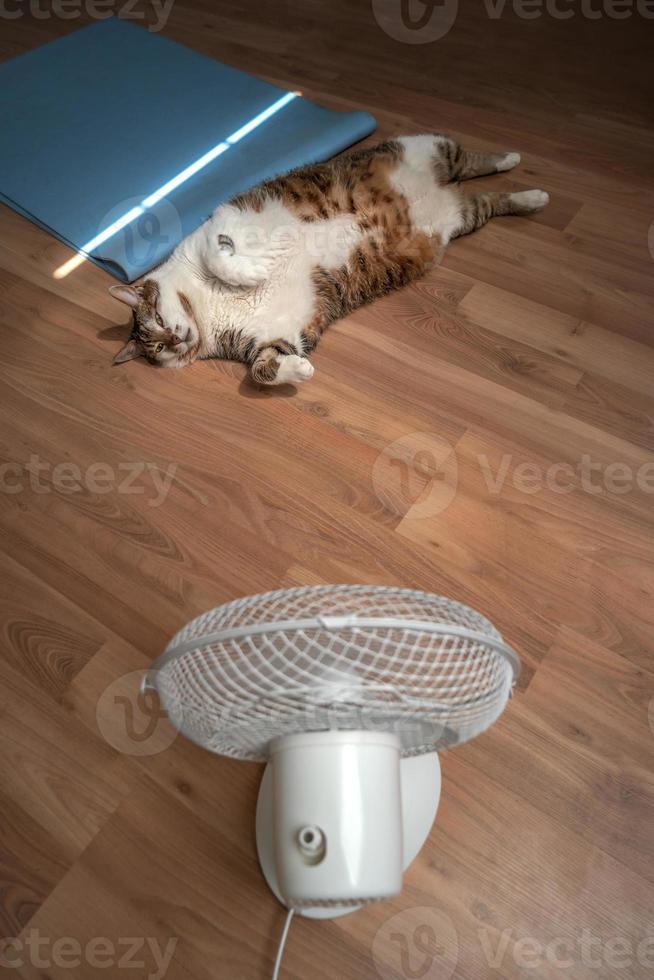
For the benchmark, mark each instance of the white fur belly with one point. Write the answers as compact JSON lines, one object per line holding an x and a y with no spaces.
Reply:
{"x":432,"y":208}
{"x":283,"y":307}
{"x":437,"y":212}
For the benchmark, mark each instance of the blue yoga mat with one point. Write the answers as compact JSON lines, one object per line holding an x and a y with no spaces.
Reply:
{"x":120,"y":142}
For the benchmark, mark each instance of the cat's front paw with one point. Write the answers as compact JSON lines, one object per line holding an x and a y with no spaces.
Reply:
{"x":294,"y":370}
{"x":242,"y":270}
{"x":252,"y":271}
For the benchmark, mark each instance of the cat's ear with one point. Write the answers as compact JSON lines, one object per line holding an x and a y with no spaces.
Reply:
{"x":127,"y":294}
{"x":131,"y":350}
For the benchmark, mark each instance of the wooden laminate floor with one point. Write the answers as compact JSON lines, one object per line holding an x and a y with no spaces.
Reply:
{"x":486,"y":434}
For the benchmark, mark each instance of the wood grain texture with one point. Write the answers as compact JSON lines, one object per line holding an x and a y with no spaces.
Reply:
{"x":486,"y":434}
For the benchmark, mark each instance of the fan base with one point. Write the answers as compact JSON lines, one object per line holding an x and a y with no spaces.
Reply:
{"x":421,"y":790}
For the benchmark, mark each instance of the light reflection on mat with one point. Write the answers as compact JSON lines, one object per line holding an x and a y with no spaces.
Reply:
{"x":170,"y":185}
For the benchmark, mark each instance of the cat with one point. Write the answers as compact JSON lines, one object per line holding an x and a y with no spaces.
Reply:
{"x":264,"y":276}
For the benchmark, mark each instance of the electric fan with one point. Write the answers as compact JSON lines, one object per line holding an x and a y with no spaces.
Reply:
{"x":348,"y":693}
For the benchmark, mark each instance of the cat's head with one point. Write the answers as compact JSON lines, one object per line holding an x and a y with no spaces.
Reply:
{"x":165,"y":333}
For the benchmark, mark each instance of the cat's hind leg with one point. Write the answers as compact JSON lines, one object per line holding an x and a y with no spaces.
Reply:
{"x":454,"y":163}
{"x":477,"y":210}
{"x":279,"y":363}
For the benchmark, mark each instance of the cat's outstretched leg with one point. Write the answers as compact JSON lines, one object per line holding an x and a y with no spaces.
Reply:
{"x":279,"y":364}
{"x":477,"y":210}
{"x":455,"y":163}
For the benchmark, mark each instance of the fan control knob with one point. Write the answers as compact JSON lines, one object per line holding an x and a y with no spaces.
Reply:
{"x":312,"y":843}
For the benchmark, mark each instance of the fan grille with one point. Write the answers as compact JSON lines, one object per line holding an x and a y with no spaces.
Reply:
{"x":335,"y":657}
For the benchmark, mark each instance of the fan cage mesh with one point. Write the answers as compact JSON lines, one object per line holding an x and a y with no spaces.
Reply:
{"x":429,"y":669}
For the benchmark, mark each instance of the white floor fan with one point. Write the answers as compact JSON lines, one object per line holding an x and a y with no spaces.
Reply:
{"x":348,"y":693}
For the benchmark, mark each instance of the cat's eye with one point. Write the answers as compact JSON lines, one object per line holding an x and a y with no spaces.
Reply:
{"x":158,"y":319}
{"x":225,"y":244}
{"x":158,"y":349}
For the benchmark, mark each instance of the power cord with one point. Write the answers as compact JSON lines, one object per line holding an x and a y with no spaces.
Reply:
{"x":282,"y":944}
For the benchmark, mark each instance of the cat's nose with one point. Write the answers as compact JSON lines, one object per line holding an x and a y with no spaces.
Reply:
{"x":175,"y":340}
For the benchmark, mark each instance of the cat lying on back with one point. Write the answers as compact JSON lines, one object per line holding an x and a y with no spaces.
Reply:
{"x":260,"y":280}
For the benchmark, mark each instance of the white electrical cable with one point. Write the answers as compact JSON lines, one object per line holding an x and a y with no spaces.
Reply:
{"x":282,"y":944}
